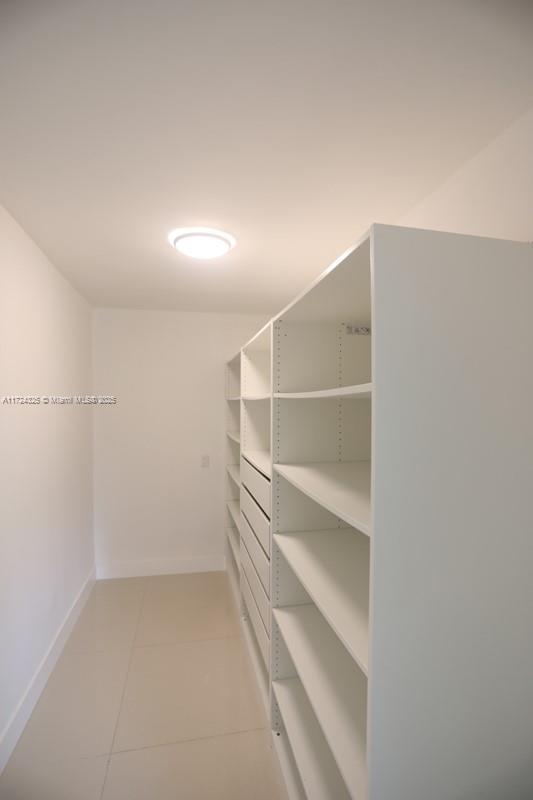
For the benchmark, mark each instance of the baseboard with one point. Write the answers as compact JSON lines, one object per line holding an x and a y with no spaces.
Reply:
{"x":159,"y":566}
{"x":11,"y":733}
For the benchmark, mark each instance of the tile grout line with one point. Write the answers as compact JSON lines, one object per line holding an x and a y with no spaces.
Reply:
{"x":133,"y":647}
{"x":132,"y":653}
{"x":186,"y":641}
{"x":188,"y":741}
{"x":157,"y":644}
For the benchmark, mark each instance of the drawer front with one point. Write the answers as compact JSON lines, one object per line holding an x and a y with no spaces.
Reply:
{"x":257,"y":485}
{"x":255,"y":620}
{"x":258,"y":521}
{"x":257,"y":555}
{"x":255,"y":585}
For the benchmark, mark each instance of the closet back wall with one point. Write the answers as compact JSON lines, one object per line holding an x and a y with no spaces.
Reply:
{"x":157,"y":510}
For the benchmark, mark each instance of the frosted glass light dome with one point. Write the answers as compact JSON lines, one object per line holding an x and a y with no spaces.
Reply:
{"x":201,"y":243}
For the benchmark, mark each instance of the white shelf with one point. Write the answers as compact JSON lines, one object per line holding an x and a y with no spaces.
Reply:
{"x":235,"y":511}
{"x":318,"y":772}
{"x":256,"y":659}
{"x":335,"y":687}
{"x":233,"y":539}
{"x":233,"y":570}
{"x":234,"y":473}
{"x":287,"y":764}
{"x":261,"y":636}
{"x":233,"y":399}
{"x":361,"y":391}
{"x":260,"y":459}
{"x":256,"y":397}
{"x":343,"y":488}
{"x":235,"y":436}
{"x":333,"y":567}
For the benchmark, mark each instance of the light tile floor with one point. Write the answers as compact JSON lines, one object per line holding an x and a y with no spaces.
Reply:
{"x":153,"y":698}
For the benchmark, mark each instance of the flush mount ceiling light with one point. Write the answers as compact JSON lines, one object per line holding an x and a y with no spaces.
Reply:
{"x":201,"y":242}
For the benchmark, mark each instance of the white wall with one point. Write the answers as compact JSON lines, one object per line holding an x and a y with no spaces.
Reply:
{"x":46,"y":542}
{"x":156,"y":509}
{"x":491,"y":195}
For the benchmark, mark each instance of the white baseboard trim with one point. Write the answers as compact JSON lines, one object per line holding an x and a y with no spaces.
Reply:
{"x":12,"y":731}
{"x":159,"y":566}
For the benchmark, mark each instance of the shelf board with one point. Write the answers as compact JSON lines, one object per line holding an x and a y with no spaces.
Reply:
{"x":333,"y":566}
{"x":259,"y":459}
{"x":234,"y":473}
{"x":336,"y":688}
{"x":233,"y":570}
{"x":233,"y":399}
{"x":343,"y":488}
{"x":361,"y":391}
{"x":287,"y":764}
{"x":256,"y":660}
{"x":318,"y":772}
{"x":235,"y":511}
{"x":235,"y":436}
{"x":256,"y":397}
{"x":233,"y":538}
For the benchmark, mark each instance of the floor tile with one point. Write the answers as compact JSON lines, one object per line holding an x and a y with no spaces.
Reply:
{"x":110,"y":616}
{"x":78,"y":710}
{"x":111,"y":587}
{"x":186,"y":691}
{"x":191,"y":607}
{"x":57,"y":778}
{"x":232,"y":767}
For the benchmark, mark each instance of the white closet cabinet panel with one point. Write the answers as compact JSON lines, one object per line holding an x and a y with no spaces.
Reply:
{"x":452,"y":594}
{"x":257,"y":485}
{"x":258,"y":521}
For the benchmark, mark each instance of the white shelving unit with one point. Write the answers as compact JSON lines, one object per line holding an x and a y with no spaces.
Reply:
{"x":234,"y":473}
{"x":390,"y":490}
{"x":362,"y":392}
{"x":260,"y":459}
{"x":233,"y":539}
{"x":336,"y":691}
{"x":333,"y":566}
{"x":256,"y":469}
{"x":341,"y":487}
{"x":319,"y":773}
{"x":232,"y":512}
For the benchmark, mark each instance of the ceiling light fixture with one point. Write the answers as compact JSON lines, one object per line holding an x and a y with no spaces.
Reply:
{"x":201,"y":242}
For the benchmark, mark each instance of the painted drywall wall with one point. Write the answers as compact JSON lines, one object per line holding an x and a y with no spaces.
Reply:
{"x":46,"y":542}
{"x":491,"y":195}
{"x":157,"y":510}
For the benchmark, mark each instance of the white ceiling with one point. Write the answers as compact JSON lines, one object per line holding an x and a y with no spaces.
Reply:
{"x":293,"y":124}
